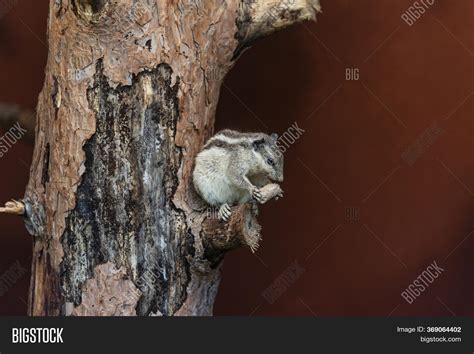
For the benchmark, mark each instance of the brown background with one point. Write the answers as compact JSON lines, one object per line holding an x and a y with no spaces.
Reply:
{"x":350,"y":156}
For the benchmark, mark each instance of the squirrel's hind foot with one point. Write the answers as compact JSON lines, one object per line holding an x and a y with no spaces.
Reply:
{"x":224,"y":212}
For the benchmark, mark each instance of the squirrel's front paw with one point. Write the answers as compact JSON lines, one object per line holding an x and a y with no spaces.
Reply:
{"x":224,"y":212}
{"x":258,"y":196}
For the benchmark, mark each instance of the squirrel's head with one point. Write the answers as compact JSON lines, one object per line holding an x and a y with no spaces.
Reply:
{"x":268,"y":156}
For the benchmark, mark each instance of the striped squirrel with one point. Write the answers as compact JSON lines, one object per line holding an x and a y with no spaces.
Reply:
{"x":233,"y":166}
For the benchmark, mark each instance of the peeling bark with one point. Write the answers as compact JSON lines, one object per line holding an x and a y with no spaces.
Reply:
{"x":129,"y":98}
{"x":124,"y":211}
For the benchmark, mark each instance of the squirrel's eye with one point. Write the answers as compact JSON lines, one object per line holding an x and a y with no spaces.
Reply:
{"x":270,"y":161}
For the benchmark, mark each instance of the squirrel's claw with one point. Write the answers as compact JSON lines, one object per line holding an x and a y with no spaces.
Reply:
{"x":279,"y":195}
{"x":224,"y":212}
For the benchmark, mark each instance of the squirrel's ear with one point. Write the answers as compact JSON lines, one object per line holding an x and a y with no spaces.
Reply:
{"x":257,"y":143}
{"x":274,"y":136}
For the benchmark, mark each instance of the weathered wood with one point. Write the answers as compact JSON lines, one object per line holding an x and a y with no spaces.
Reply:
{"x":242,"y":229}
{"x":13,"y":207}
{"x":129,"y":98}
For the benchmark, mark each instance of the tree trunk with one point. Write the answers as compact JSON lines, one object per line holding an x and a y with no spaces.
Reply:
{"x":129,"y":98}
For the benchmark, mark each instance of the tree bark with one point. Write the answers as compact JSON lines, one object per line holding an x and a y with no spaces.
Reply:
{"x":129,"y":98}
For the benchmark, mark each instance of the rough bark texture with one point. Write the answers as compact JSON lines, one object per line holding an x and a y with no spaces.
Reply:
{"x":129,"y":98}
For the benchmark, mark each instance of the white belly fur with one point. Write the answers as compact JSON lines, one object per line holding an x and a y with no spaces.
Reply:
{"x":211,"y":182}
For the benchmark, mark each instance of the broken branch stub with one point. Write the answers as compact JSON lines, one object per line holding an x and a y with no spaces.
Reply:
{"x":14,"y":207}
{"x":258,"y":19}
{"x":241,"y":229}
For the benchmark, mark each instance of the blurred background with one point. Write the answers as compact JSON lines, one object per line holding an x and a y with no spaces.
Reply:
{"x":378,"y":186}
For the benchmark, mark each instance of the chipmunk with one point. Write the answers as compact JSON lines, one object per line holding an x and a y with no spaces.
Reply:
{"x":233,"y":166}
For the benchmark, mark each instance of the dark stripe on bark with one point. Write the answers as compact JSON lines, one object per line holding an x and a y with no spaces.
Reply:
{"x":124,"y":211}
